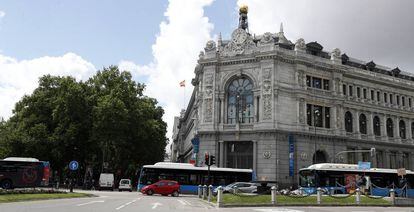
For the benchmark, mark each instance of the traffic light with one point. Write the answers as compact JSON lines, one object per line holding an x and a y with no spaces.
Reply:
{"x":207,"y":159}
{"x":212,"y":160}
{"x":372,"y":152}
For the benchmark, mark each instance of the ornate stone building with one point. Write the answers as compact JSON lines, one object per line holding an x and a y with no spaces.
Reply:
{"x":265,"y":103}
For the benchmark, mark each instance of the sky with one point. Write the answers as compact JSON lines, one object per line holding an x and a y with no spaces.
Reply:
{"x":158,"y":41}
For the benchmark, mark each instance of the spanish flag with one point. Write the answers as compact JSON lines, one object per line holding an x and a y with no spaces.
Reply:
{"x":182,"y":83}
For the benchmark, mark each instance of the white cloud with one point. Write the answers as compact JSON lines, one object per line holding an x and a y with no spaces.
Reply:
{"x":18,"y":78}
{"x":2,"y":14}
{"x":175,"y":53}
{"x":378,"y":30}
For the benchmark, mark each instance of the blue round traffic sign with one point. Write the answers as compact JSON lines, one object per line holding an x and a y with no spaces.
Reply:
{"x":73,"y":165}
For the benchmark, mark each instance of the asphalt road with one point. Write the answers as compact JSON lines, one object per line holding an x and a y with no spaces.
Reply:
{"x":136,"y":202}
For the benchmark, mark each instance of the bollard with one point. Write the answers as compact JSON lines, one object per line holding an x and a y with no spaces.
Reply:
{"x":219,"y":196}
{"x":205,"y":192}
{"x":210,"y":192}
{"x":358,"y":196}
{"x":392,"y":196}
{"x":273,"y":192}
{"x":318,"y":196}
{"x":200,"y":191}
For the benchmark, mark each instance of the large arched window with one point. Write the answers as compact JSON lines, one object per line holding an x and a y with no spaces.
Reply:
{"x":390,"y":128}
{"x":240,"y":101}
{"x":348,"y":121}
{"x":362,"y":124}
{"x":377,"y":126}
{"x":402,"y":129}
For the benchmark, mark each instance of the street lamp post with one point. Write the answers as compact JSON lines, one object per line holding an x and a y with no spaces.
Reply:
{"x":315,"y":114}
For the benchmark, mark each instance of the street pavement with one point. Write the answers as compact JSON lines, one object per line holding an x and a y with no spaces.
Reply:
{"x":136,"y":202}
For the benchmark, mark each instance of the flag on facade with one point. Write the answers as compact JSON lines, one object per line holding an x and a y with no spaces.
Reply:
{"x":182,"y":83}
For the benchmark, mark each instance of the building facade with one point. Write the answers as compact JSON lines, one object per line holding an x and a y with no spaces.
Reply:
{"x":265,"y":103}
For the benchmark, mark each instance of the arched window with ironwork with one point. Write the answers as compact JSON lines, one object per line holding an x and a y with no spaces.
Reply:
{"x":377,"y":126}
{"x":348,"y":121}
{"x":240,"y":101}
{"x":362,"y":124}
{"x":390,"y":128}
{"x":402,"y":129}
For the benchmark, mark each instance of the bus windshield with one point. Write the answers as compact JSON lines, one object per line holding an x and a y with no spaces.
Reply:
{"x":306,"y":178}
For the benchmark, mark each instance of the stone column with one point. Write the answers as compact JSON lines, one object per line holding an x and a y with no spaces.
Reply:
{"x":384,"y":127}
{"x":221,"y":159}
{"x":387,"y":159}
{"x":408,"y":131}
{"x":370,"y":126}
{"x":355,"y":120}
{"x":222,"y":110}
{"x":255,"y":155}
{"x":396,"y":121}
{"x":333,"y":118}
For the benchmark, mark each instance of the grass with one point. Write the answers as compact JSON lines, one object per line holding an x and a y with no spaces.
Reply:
{"x":26,"y":197}
{"x":229,"y":199}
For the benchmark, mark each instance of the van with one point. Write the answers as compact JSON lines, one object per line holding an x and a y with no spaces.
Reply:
{"x":125,"y":185}
{"x":106,"y":181}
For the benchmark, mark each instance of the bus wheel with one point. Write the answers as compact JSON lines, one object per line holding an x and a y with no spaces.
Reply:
{"x":150,"y":192}
{"x":6,"y":184}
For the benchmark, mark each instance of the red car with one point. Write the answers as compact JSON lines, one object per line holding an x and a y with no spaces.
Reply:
{"x":163,"y":187}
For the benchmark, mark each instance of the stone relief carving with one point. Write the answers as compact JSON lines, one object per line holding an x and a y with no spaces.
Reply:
{"x":210,"y":46}
{"x":302,"y":111}
{"x":240,"y":43}
{"x":208,"y":97}
{"x":267,"y":93}
{"x":300,"y":45}
{"x":266,"y":38}
{"x":336,"y":54}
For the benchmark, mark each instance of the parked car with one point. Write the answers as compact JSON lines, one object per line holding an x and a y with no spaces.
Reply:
{"x":125,"y":185}
{"x":106,"y":181}
{"x":163,"y":187}
{"x":242,"y":187}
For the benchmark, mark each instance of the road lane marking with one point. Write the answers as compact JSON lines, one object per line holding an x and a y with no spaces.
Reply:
{"x":188,"y":203}
{"x":91,"y":202}
{"x":126,"y":204}
{"x":155,"y":205}
{"x":182,"y":202}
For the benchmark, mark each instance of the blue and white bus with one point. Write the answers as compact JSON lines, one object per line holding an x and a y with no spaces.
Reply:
{"x":343,"y":179}
{"x":190,"y":176}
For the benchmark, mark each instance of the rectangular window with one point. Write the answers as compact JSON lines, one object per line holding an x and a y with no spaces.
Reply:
{"x":309,"y":114}
{"x":326,"y":84}
{"x":358,"y":92}
{"x":317,"y":82}
{"x":391,"y":99}
{"x":385,"y":97}
{"x":257,"y":110}
{"x":364,"y":91}
{"x":350,"y":90}
{"x":344,"y":89}
{"x":308,"y":81}
{"x":410,"y":103}
{"x":398,"y":100}
{"x":378,"y":96}
{"x":327,"y":117}
{"x":372,"y":95}
{"x":403,"y":101}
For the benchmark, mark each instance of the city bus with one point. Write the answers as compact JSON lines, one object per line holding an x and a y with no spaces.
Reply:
{"x":23,"y":173}
{"x":190,"y":176}
{"x":344,"y":178}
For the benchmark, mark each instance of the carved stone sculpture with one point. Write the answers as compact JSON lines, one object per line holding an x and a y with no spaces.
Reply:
{"x":210,"y":46}
{"x":300,"y":45}
{"x":267,"y":38}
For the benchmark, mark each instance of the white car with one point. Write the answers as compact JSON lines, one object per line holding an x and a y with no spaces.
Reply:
{"x":125,"y":185}
{"x":106,"y":181}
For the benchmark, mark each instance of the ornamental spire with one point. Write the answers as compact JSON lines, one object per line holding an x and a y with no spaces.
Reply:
{"x":281,"y":27}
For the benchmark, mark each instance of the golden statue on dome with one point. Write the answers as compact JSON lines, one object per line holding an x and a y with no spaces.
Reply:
{"x":244,"y":9}
{"x":243,"y":17}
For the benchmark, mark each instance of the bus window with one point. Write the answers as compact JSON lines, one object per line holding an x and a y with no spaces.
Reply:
{"x":182,"y":179}
{"x":193,"y":179}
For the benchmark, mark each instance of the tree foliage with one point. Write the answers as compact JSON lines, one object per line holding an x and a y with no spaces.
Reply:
{"x":106,"y":118}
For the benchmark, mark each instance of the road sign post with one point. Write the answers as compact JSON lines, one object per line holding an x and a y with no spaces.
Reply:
{"x":73,"y":166}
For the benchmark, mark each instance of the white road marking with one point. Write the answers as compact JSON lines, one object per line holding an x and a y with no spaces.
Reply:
{"x":278,"y":210}
{"x":155,"y":205}
{"x":181,"y":201}
{"x":91,"y":202}
{"x":120,"y":207}
{"x":188,"y":203}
